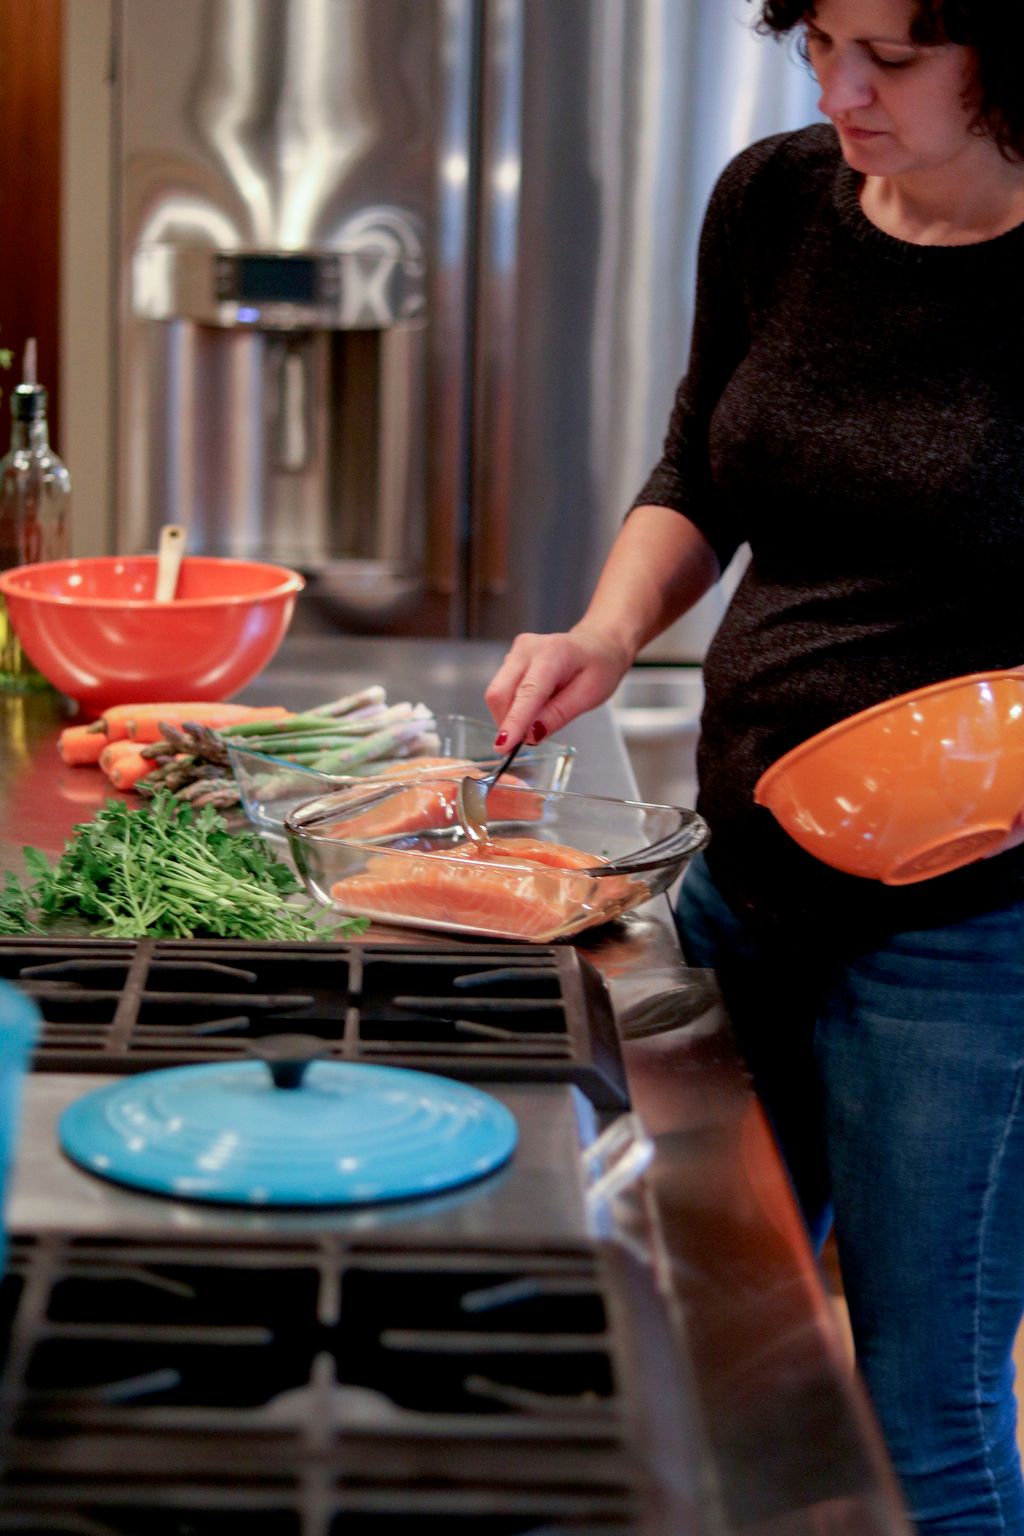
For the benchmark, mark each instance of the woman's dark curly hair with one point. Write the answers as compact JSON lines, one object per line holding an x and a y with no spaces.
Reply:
{"x":994,"y":29}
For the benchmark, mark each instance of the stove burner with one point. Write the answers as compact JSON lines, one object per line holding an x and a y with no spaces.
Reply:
{"x":307,"y":1385}
{"x":495,"y":1012}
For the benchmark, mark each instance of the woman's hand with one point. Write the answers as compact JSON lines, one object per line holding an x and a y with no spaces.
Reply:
{"x":547,"y":680}
{"x":658,"y":567}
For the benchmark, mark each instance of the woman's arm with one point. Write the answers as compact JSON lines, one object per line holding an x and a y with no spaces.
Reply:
{"x":658,"y":567}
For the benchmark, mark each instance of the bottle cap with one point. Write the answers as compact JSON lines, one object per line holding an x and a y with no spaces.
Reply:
{"x":28,"y":402}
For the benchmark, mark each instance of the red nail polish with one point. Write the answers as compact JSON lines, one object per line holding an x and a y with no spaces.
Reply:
{"x":538,"y":731}
{"x":501,"y":738}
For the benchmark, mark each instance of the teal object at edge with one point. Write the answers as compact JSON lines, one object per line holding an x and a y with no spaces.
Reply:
{"x":19,"y":1025}
{"x":350,"y":1134}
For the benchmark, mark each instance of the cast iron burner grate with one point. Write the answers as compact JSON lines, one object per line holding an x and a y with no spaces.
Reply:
{"x":508,"y":1012}
{"x":187,"y":1387}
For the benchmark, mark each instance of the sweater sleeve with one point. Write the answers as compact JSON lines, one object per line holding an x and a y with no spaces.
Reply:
{"x":682,"y":478}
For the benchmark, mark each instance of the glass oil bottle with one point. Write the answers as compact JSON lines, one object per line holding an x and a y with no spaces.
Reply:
{"x":35,"y":511}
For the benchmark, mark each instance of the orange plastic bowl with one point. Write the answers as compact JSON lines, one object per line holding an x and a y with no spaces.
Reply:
{"x":95,"y":631}
{"x":913,"y":787}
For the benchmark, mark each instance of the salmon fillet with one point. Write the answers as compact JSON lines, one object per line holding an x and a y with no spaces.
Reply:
{"x":513,"y":887}
{"x":427,"y":807}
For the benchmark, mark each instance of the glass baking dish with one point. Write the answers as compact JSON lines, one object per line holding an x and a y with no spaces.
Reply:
{"x":554,"y":863}
{"x":272,"y":787}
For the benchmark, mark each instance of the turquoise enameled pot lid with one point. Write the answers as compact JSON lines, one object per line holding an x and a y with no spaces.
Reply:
{"x":346,"y":1134}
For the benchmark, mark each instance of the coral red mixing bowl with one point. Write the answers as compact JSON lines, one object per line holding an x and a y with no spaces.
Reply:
{"x":94,"y":629}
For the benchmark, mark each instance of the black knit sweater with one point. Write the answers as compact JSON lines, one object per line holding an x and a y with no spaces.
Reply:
{"x":854,"y":408}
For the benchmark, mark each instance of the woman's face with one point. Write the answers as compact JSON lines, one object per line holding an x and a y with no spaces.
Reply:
{"x":899,"y":107}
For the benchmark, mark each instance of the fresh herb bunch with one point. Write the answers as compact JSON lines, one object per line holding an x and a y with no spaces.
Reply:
{"x":14,"y":908}
{"x":166,"y":871}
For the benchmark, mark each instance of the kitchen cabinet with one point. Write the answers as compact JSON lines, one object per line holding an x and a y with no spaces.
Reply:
{"x":725,"y":1346}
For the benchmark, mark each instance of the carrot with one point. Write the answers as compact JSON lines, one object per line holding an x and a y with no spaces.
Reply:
{"x":115,"y":749}
{"x":141,"y":722}
{"x":78,"y":744}
{"x":129,"y":767}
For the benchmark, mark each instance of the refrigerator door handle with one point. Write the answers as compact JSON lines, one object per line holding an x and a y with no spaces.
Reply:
{"x":497,"y":329}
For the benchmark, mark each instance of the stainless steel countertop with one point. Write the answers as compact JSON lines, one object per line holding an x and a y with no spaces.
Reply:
{"x":788,"y":1444}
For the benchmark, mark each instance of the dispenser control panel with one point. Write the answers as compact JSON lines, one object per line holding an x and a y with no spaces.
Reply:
{"x":278,"y":290}
{"x":272,"y":279}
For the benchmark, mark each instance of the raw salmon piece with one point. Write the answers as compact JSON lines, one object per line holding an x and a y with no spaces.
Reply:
{"x":428,"y":806}
{"x":416,"y":808}
{"x":502,"y":806}
{"x":498,"y":899}
{"x":503,"y":887}
{"x":612,"y":893}
{"x":412,"y":811}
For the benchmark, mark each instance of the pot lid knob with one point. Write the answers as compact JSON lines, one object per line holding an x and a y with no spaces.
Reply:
{"x":288,"y":1056}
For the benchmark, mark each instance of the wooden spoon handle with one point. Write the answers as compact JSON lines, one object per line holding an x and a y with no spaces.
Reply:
{"x":169,"y":557}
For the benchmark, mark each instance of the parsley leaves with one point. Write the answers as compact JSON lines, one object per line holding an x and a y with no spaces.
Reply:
{"x":166,"y":871}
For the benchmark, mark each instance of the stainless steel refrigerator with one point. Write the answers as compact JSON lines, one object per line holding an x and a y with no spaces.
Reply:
{"x":404,"y":286}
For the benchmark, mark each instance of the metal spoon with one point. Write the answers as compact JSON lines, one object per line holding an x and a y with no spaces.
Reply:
{"x":168,"y":561}
{"x":471,"y":799}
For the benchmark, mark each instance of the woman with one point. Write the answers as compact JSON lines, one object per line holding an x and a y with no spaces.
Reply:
{"x":854,"y":408}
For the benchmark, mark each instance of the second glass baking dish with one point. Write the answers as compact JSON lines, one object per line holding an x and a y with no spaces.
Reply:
{"x":554,"y":863}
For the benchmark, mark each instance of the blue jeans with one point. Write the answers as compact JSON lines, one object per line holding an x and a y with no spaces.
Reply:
{"x":894,"y":1084}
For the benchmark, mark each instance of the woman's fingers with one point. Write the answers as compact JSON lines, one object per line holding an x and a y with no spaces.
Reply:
{"x":501,"y":690}
{"x":522,"y":686}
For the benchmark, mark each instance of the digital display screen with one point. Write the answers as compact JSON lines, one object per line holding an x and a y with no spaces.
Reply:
{"x":275,"y":279}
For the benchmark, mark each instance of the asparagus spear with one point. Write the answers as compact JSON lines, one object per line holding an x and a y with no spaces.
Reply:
{"x":343,"y":732}
{"x":402,"y":740}
{"x":363,"y":702}
{"x":351,"y":702}
{"x":308,"y":724}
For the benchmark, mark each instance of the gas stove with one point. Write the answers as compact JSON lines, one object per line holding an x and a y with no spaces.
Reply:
{"x":314,"y":1387}
{"x":491,"y":1361}
{"x":511,"y":1012}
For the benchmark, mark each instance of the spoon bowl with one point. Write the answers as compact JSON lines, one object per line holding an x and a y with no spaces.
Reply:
{"x":471,"y":799}
{"x":471,"y":807}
